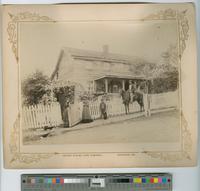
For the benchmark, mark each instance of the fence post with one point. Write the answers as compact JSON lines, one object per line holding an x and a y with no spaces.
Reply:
{"x":147,"y":104}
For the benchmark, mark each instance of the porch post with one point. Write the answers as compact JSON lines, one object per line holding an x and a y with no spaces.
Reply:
{"x":94,"y":86}
{"x":123,"y":84}
{"x":106,"y":85}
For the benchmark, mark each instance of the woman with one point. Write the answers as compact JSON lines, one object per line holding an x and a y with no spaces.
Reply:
{"x":86,"y":117}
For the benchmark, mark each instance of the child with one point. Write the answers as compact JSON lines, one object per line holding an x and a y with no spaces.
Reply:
{"x":103,"y":110}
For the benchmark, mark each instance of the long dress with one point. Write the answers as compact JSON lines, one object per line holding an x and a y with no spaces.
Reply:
{"x":86,"y":117}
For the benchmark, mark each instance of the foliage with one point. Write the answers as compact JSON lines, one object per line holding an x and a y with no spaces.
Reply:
{"x":64,"y":94}
{"x":170,"y":56}
{"x":34,"y":88}
{"x":164,"y":75}
{"x":161,"y":85}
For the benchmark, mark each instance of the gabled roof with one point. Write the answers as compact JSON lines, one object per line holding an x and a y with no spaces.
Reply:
{"x":119,"y":76}
{"x":98,"y":55}
{"x":94,"y":56}
{"x":57,"y":65}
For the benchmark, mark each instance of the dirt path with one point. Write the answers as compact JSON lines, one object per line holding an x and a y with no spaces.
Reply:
{"x":162,"y":127}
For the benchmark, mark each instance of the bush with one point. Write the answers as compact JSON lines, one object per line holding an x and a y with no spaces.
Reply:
{"x":166,"y":84}
{"x":34,"y":88}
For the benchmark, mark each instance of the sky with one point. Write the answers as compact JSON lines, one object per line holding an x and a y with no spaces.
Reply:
{"x":41,"y":43}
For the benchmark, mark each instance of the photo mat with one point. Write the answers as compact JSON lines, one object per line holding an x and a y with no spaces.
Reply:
{"x":94,"y":89}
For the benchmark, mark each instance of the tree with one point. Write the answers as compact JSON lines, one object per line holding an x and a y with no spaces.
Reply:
{"x":145,"y":68}
{"x":34,"y":87}
{"x":164,"y":74}
{"x":170,"y":56}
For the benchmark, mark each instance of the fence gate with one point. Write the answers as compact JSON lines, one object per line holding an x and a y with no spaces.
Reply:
{"x":74,"y":114}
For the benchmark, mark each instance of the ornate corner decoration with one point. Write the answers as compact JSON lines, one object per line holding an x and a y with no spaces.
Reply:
{"x":12,"y":31}
{"x":183,"y":29}
{"x":162,"y":15}
{"x":186,"y":147}
{"x":182,"y":21}
{"x":12,"y":28}
{"x":17,"y":156}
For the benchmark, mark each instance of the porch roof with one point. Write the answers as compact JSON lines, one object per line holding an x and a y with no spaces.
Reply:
{"x":124,"y":77}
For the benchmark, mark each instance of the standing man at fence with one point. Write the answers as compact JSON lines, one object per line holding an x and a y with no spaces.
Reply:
{"x":66,"y":114}
{"x":103,"y":110}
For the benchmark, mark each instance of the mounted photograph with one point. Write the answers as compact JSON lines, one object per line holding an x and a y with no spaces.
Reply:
{"x":89,"y":89}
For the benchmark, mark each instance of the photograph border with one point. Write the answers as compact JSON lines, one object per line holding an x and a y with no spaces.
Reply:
{"x":166,"y":14}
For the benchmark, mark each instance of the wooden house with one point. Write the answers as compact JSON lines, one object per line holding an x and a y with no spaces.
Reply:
{"x":97,"y":72}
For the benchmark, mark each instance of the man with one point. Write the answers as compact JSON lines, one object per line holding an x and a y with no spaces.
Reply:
{"x":134,"y":87}
{"x":103,"y":110}
{"x":66,"y":114}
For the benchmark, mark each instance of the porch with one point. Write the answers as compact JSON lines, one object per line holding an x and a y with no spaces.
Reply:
{"x":115,"y":83}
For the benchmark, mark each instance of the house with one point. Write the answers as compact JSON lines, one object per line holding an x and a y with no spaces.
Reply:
{"x":97,"y":72}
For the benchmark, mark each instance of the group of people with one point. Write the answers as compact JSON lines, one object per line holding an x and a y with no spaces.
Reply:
{"x":86,"y":117}
{"x":129,"y":96}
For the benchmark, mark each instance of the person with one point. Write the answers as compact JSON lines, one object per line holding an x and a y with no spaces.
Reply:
{"x":134,"y":87}
{"x":126,"y":96}
{"x":65,"y":114}
{"x":86,"y":117}
{"x":130,"y":90}
{"x":139,"y":89}
{"x":103,"y":110}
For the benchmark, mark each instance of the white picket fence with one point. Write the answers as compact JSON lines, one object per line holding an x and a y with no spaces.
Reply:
{"x":152,"y":102}
{"x":40,"y":115}
{"x":114,"y":108}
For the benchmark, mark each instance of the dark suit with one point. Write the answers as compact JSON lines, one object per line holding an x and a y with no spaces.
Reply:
{"x":103,"y":110}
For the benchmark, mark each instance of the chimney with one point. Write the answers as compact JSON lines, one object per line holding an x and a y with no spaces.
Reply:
{"x":105,"y":49}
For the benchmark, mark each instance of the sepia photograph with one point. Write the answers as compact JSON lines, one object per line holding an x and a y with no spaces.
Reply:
{"x":99,"y":86}
{"x":99,"y":82}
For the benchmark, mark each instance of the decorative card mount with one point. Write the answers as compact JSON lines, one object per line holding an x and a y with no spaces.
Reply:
{"x":68,"y":104}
